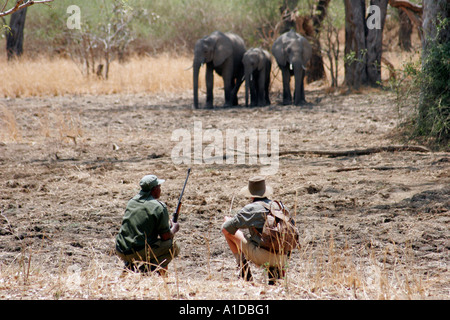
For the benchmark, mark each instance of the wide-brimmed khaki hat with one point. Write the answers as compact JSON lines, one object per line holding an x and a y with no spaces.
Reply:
{"x":257,"y":188}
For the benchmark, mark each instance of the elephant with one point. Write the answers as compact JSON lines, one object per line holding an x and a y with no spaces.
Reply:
{"x":221,"y":52}
{"x":257,"y":66}
{"x":292,"y":53}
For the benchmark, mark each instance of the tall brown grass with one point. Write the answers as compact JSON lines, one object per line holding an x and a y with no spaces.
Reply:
{"x":10,"y":129}
{"x":58,"y":76}
{"x":163,"y":74}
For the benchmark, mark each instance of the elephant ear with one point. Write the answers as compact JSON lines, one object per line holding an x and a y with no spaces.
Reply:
{"x":278,"y":51}
{"x":222,"y":50}
{"x":306,"y":51}
{"x":261,"y":59}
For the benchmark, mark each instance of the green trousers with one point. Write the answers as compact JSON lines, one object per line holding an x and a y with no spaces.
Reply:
{"x":159,"y":254}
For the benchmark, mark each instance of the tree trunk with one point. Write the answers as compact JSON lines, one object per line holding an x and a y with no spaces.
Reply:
{"x":363,"y":45}
{"x":405,"y":31}
{"x":434,"y":112}
{"x":355,"y":43}
{"x":432,"y":10}
{"x":374,"y":44}
{"x":287,"y":9}
{"x":14,"y":37}
{"x":316,"y":71}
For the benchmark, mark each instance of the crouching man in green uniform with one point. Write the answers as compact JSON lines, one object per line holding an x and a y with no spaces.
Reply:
{"x":145,"y":241}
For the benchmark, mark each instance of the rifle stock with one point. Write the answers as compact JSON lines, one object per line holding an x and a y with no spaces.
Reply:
{"x":177,"y":212}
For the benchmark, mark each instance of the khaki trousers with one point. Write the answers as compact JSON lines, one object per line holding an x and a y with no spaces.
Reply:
{"x":262,"y":257}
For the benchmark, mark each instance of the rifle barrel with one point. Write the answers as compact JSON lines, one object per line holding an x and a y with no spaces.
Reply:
{"x":175,"y":215}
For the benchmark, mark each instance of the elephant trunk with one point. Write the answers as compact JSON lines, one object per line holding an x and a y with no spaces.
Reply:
{"x":247,"y":87}
{"x":298,"y":76}
{"x":196,"y":67}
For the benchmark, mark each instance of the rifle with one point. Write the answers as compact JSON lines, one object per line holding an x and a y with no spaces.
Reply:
{"x":177,"y":212}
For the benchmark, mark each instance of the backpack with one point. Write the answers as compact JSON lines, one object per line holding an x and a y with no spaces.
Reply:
{"x":279,"y":234}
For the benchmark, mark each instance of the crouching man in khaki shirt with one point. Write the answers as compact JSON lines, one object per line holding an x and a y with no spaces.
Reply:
{"x":246,"y":247}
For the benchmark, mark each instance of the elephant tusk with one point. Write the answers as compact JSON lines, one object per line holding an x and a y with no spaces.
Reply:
{"x":304,"y":68}
{"x":189,"y":68}
{"x":251,"y":77}
{"x":290,"y":67}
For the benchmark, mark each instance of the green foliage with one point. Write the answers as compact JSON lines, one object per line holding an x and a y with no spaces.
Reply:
{"x":433,"y":118}
{"x":425,"y":84}
{"x":170,"y":24}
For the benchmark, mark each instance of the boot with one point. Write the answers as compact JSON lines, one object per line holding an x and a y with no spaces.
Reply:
{"x":244,"y":267}
{"x":274,"y":274}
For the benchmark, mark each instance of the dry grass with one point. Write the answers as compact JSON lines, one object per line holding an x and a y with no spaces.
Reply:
{"x":164,"y":74}
{"x":325,"y":272}
{"x":10,"y":130}
{"x":45,"y":77}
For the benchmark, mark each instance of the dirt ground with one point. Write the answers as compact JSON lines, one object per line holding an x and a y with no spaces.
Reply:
{"x":369,"y":224}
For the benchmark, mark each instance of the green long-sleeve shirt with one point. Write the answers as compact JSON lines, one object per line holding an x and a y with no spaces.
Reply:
{"x":144,"y":220}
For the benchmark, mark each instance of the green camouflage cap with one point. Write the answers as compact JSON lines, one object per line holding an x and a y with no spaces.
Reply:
{"x":150,"y":181}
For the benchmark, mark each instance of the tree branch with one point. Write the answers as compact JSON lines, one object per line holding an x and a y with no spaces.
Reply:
{"x":355,"y":152}
{"x":20,"y":4}
{"x":406,"y":4}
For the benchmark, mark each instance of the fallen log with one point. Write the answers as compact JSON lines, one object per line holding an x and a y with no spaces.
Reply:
{"x":382,"y":168}
{"x":355,"y":152}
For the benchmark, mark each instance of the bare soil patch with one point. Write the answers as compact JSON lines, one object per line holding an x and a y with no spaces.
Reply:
{"x":373,"y":226}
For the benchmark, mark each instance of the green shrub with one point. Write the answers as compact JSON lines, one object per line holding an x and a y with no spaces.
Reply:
{"x":424,"y":85}
{"x":433,"y":116}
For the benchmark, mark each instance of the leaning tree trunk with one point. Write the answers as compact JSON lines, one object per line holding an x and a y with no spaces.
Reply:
{"x":287,"y":10}
{"x":316,"y":71}
{"x":14,"y":37}
{"x":405,"y":31}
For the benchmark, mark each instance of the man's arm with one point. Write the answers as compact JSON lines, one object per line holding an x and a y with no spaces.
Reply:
{"x":170,"y":234}
{"x":167,"y":224}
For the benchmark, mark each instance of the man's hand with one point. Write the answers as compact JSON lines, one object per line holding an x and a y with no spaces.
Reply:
{"x":175,"y":227}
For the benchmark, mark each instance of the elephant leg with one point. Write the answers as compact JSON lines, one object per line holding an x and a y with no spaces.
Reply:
{"x":302,"y":92}
{"x":253,"y":92}
{"x":209,"y":77}
{"x":237,"y":85}
{"x":287,"y":97}
{"x":266,"y":88}
{"x":228,"y":95}
{"x":299,"y":94}
{"x":261,"y":90}
{"x":229,"y":85}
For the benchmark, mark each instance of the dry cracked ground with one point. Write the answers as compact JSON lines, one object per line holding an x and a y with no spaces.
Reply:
{"x":372,"y":226}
